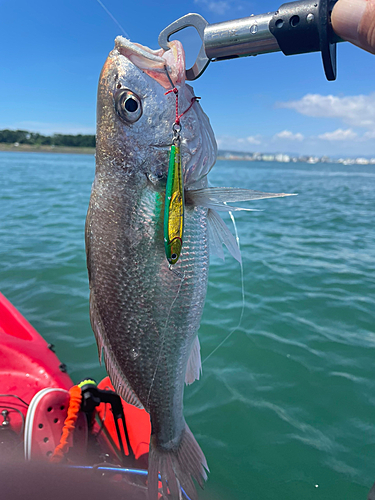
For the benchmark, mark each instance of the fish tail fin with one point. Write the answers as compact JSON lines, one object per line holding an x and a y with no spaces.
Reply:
{"x":176,"y":467}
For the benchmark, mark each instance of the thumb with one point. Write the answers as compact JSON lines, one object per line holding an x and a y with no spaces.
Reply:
{"x":354,"y":20}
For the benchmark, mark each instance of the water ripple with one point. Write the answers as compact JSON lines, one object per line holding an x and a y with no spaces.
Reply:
{"x":288,"y":402}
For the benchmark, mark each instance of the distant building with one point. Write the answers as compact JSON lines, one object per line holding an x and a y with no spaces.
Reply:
{"x":282,"y":158}
{"x":312,"y":160}
{"x":362,"y":161}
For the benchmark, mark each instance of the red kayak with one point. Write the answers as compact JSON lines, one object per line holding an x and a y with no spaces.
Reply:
{"x":45,"y":417}
{"x":34,"y":395}
{"x":27,"y":365}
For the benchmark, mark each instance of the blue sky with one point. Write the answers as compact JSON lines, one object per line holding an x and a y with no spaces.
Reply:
{"x":52,"y":54}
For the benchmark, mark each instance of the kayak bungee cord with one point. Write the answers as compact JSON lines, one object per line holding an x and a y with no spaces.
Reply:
{"x":75,"y":401}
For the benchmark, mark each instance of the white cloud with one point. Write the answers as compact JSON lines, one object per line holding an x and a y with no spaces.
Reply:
{"x":356,"y":111}
{"x":231,"y":143}
{"x":286,"y":134}
{"x":339,"y":142}
{"x":253,"y":139}
{"x":355,"y":137}
{"x":217,"y":7}
{"x":339,"y":135}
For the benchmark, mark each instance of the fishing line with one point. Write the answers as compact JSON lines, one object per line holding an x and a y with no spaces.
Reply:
{"x":243,"y":294}
{"x":113,"y":19}
{"x":164,"y":332}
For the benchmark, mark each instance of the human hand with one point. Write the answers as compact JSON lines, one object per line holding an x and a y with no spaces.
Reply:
{"x":354,"y":20}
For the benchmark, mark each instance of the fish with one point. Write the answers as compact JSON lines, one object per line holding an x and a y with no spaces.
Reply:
{"x":145,"y":315}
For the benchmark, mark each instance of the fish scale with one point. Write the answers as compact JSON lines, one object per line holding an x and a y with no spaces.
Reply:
{"x":136,"y":300}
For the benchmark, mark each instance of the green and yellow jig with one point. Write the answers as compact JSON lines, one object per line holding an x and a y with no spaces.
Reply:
{"x":174,"y":202}
{"x":174,"y":207}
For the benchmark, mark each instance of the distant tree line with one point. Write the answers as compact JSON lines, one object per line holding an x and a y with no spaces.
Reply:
{"x":25,"y":137}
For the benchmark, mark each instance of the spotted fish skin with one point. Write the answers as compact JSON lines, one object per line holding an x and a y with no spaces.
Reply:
{"x":145,"y":317}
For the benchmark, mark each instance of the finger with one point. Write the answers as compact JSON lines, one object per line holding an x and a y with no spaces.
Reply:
{"x":354,"y":20}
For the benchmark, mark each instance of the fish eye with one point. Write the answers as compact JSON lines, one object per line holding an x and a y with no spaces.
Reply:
{"x":128,"y":106}
{"x":131,"y":105}
{"x":173,"y":256}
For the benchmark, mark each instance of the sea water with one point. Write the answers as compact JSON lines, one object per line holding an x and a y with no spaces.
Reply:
{"x":285,"y":409}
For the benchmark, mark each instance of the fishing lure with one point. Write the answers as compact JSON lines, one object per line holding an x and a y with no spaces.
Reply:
{"x":174,"y":207}
{"x":174,"y":201}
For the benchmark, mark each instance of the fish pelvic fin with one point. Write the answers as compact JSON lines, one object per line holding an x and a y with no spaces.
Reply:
{"x":177,"y":467}
{"x":194,"y":364}
{"x":219,"y":234}
{"x":118,"y":379}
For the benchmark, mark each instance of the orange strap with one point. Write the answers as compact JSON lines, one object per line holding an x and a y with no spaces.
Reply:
{"x":69,"y":424}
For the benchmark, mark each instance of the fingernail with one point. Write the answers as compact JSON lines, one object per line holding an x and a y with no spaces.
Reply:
{"x":346,"y":18}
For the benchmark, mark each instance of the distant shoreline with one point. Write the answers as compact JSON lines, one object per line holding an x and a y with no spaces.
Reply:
{"x":28,"y":148}
{"x":280,"y":158}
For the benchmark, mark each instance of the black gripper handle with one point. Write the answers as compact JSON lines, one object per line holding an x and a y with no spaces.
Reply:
{"x":305,"y":26}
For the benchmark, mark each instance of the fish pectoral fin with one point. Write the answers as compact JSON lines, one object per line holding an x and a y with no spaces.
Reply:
{"x":218,"y":233}
{"x":194,"y":364}
{"x":217,"y":197}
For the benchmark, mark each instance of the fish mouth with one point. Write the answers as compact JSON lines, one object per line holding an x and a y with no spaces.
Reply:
{"x":154,"y":62}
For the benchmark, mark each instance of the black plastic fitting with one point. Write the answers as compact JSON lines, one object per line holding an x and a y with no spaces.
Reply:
{"x":305,"y":26}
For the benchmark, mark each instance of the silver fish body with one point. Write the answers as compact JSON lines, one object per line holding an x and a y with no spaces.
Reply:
{"x":148,"y":314}
{"x":144,"y":315}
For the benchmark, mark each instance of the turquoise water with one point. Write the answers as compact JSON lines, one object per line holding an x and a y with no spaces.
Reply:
{"x":286,"y":408}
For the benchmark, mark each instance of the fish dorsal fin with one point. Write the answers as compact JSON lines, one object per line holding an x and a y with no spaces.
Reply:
{"x":217,"y":197}
{"x":118,"y":379}
{"x":218,"y":233}
{"x":194,"y":365}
